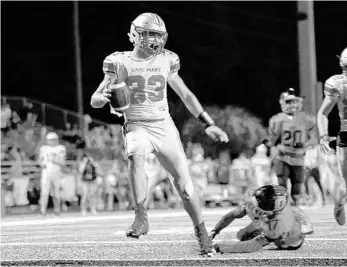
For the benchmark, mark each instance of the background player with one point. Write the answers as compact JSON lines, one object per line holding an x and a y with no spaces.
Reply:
{"x":335,"y":91}
{"x":148,"y":127}
{"x":52,"y":160}
{"x":273,"y":220}
{"x":292,"y":131}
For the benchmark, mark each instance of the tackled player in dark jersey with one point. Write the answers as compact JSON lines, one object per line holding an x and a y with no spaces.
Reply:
{"x":274,"y":220}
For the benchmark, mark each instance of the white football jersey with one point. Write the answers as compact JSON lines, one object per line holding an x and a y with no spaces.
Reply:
{"x":336,"y":88}
{"x":52,"y":157}
{"x":147,"y":81}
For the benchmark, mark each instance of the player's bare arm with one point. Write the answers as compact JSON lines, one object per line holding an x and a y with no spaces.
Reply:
{"x":237,"y":213}
{"x":41,"y":158}
{"x":194,"y":106}
{"x":249,"y":246}
{"x":312,"y":136}
{"x":322,"y":122}
{"x":274,"y":135}
{"x":102,"y":94}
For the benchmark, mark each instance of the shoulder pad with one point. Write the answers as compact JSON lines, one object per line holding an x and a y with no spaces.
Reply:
{"x":173,"y":59}
{"x":111,"y":62}
{"x":170,"y":54}
{"x":333,"y":84}
{"x":277,"y":117}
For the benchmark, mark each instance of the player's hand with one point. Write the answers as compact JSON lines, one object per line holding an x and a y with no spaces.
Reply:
{"x":217,"y":134}
{"x":106,"y":93}
{"x":213,"y":234}
{"x":324,"y":143}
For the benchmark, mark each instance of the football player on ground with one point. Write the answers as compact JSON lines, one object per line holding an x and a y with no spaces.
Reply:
{"x":291,"y":132}
{"x":52,"y":160}
{"x":335,"y":91}
{"x":274,"y":220}
{"x":148,"y":127}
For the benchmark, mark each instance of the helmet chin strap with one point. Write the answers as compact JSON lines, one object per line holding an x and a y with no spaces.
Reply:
{"x":143,"y":50}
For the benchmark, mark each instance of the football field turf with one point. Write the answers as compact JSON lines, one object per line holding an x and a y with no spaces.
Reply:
{"x":99,"y":240}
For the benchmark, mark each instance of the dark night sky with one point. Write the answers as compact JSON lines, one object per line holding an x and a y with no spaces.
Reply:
{"x":231,"y":52}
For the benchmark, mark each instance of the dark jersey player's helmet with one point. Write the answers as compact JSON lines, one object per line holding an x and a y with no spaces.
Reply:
{"x":272,"y":198}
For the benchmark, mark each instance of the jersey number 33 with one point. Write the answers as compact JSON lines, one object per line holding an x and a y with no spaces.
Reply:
{"x":151,"y":89}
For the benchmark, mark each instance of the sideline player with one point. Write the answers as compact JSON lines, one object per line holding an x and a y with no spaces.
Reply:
{"x":292,"y":131}
{"x":273,"y":220}
{"x":335,"y":91}
{"x":52,"y":160}
{"x":148,"y":127}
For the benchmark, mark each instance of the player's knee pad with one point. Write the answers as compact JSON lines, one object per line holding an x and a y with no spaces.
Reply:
{"x":137,"y":143}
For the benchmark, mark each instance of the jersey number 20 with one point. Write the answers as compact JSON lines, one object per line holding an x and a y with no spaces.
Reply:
{"x":292,"y":138}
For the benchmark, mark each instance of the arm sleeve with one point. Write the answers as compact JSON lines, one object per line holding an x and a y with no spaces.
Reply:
{"x":227,"y":219}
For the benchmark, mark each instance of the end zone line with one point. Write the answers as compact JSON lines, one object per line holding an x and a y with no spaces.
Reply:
{"x":240,"y":261}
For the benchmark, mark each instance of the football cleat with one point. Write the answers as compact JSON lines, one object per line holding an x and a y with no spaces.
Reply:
{"x":205,"y":243}
{"x":306,"y":225}
{"x":140,"y":225}
{"x":339,"y":211}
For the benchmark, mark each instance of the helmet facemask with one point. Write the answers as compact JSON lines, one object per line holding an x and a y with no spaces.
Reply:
{"x":343,"y":60}
{"x":271,"y":201}
{"x":290,"y":103}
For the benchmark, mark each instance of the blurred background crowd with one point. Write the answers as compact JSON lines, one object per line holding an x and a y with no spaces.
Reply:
{"x":221,"y":176}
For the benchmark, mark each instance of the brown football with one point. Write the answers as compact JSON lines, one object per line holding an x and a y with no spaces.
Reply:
{"x":120,"y":97}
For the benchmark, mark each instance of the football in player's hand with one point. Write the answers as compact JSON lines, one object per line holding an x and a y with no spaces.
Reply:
{"x":120,"y":96}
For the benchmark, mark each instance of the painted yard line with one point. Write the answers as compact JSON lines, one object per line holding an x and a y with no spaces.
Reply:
{"x":81,"y":219}
{"x":137,"y":242}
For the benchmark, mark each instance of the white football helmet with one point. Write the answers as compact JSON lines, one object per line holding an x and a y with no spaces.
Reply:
{"x":148,"y":32}
{"x":343,"y":58}
{"x":52,"y":139}
{"x":290,"y":102}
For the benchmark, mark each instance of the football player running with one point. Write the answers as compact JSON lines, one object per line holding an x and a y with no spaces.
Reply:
{"x":291,"y":132}
{"x":52,"y":160}
{"x":148,"y":127}
{"x":274,"y":220}
{"x":335,"y":91}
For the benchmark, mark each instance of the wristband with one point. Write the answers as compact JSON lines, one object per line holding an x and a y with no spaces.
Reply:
{"x":205,"y":120}
{"x":323,"y":136}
